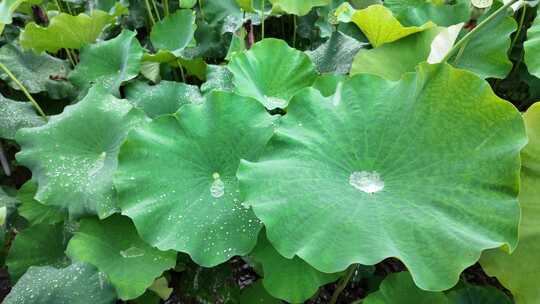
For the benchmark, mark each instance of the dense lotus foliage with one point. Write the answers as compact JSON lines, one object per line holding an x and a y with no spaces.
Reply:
{"x":269,"y":151}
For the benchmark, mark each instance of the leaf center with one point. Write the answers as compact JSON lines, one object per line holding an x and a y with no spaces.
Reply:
{"x":368,"y":182}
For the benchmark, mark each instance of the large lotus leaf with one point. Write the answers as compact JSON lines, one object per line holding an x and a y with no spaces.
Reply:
{"x":77,"y":284}
{"x":392,"y":60}
{"x":407,"y":169}
{"x":336,"y":54}
{"x":164,"y":98}
{"x":297,"y":7}
{"x":74,"y":156}
{"x":175,"y":32}
{"x":471,"y":294}
{"x":532,"y":48}
{"x":35,"y":212}
{"x":399,"y":288}
{"x":115,"y":248}
{"x":15,"y":115}
{"x":416,"y":13}
{"x":65,"y":31}
{"x":520,"y":272}
{"x":177,"y":177}
{"x":38,"y":245}
{"x":485,"y":53}
{"x":292,"y":280}
{"x":252,"y":5}
{"x":271,"y":72}
{"x":380,"y":26}
{"x":110,"y":62}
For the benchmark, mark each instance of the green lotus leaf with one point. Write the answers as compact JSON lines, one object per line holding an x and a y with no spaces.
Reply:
{"x":217,"y":78}
{"x":35,"y":212}
{"x":65,"y":31}
{"x":175,"y":32}
{"x":292,"y":280}
{"x":471,"y":294}
{"x":380,"y":26}
{"x":38,"y":245}
{"x":485,"y":54}
{"x":255,"y":293}
{"x":271,"y":72}
{"x":532,"y":48}
{"x":115,"y":248}
{"x":445,"y":184}
{"x":224,"y":14}
{"x":77,"y":284}
{"x":336,"y":54}
{"x":520,"y":271}
{"x":252,"y":5}
{"x":416,"y":13}
{"x":196,"y":200}
{"x":297,"y":7}
{"x":35,"y":72}
{"x":163,"y":98}
{"x":75,"y":172}
{"x":15,"y":115}
{"x":394,"y":59}
{"x":399,"y":288}
{"x":151,"y":70}
{"x":109,"y":63}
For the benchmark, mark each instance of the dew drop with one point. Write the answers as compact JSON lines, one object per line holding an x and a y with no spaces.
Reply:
{"x":132,"y":252}
{"x":369,"y":182}
{"x":217,"y":189}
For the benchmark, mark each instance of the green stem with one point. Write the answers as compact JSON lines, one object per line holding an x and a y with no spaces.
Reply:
{"x":69,"y":9}
{"x":294,"y":32}
{"x":25,"y":91}
{"x":201,"y":9}
{"x":149,"y":10}
{"x":520,"y":27}
{"x":156,"y":10}
{"x":166,"y":7}
{"x":181,"y":70}
{"x":342,"y":284}
{"x":59,"y":6}
{"x":460,"y":52}
{"x":70,"y":57}
{"x":466,"y":38}
{"x":262,"y":23}
{"x":4,"y":162}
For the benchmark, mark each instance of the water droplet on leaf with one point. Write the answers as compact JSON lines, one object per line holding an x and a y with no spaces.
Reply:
{"x":369,"y":182}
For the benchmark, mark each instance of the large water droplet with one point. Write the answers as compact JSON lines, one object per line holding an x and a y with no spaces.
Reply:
{"x":217,"y":189}
{"x":369,"y":182}
{"x":132,"y":252}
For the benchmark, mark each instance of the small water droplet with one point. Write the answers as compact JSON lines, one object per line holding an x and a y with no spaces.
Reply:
{"x":132,"y":252}
{"x":369,"y":182}
{"x":217,"y":189}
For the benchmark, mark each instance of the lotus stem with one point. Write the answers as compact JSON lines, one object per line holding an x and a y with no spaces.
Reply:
{"x":4,"y":162}
{"x":201,"y":8}
{"x":468,"y":36}
{"x":25,"y":91}
{"x":149,"y":10}
{"x":262,"y":21}
{"x":71,"y":57}
{"x":294,"y":31}
{"x":166,"y":7}
{"x":520,"y":27}
{"x":154,"y":5}
{"x":181,"y":70}
{"x":342,"y":284}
